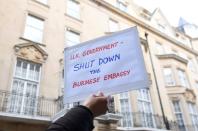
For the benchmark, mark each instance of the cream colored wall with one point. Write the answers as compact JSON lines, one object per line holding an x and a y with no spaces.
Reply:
{"x":195,"y":44}
{"x":93,"y":23}
{"x":17,"y":126}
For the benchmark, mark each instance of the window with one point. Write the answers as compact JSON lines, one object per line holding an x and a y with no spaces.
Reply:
{"x":73,"y":8}
{"x":194,"y":115}
{"x":121,"y":5}
{"x":125,"y":110}
{"x":160,"y":49}
{"x":43,"y":1}
{"x":183,"y":55}
{"x":174,"y":52}
{"x":168,"y":76}
{"x":24,"y":88}
{"x":67,"y":105}
{"x":196,"y":84}
{"x":179,"y":115}
{"x":72,"y":38}
{"x":145,"y":108}
{"x":161,"y":25}
{"x":62,"y":82}
{"x":183,"y":78}
{"x":34,"y":29}
{"x":191,"y":65}
{"x":113,"y":25}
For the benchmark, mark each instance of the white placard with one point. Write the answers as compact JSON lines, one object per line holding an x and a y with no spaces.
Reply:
{"x":111,"y":64}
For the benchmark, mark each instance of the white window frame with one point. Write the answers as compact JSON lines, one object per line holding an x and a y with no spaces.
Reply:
{"x":29,"y":27}
{"x":191,"y":65}
{"x":45,"y":2}
{"x":121,"y":5}
{"x":175,"y":52}
{"x":169,"y":79}
{"x":193,"y":114}
{"x":113,"y":25}
{"x":183,"y":55}
{"x":145,"y":100}
{"x":75,"y":13}
{"x":160,"y":48}
{"x":68,"y":41}
{"x":179,"y":112}
{"x":196,"y":84}
{"x":25,"y":80}
{"x":129,"y":115}
{"x":183,"y":79}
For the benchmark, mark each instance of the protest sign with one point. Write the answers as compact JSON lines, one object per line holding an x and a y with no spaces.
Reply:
{"x":111,"y":64}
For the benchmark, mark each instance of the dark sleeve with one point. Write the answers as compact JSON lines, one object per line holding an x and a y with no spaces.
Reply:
{"x":79,"y":118}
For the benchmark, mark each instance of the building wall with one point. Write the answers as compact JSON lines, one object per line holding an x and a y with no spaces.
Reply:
{"x":93,"y":22}
{"x":14,"y":126}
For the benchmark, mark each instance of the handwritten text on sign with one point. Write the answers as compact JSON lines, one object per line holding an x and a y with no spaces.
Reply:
{"x":110,"y":64}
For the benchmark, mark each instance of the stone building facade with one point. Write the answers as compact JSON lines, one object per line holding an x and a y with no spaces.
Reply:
{"x":34,"y":33}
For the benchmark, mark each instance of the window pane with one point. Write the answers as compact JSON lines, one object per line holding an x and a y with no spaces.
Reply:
{"x":183,"y":78}
{"x":24,"y":69}
{"x":160,"y":49}
{"x":194,"y":114}
{"x":34,"y":22}
{"x":125,"y":110}
{"x":33,"y":34}
{"x":34,"y":29}
{"x":168,"y":76}
{"x":72,"y":38}
{"x":145,"y":108}
{"x":178,"y":115}
{"x":43,"y":1}
{"x":121,"y":6}
{"x":113,"y":26}
{"x":196,"y":84}
{"x":73,"y":9}
{"x":24,"y":91}
{"x":18,"y":70}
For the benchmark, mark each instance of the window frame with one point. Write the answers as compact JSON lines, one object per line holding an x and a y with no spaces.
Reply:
{"x":120,"y":4}
{"x":42,"y":2}
{"x":115,"y":23}
{"x":178,"y":112}
{"x":42,"y":31}
{"x":196,"y":84}
{"x":193,"y":114}
{"x":144,"y":101}
{"x":66,"y":37}
{"x":172,"y":76}
{"x":126,"y":97}
{"x":77,"y":15}
{"x":25,"y":80}
{"x":162,"y":48}
{"x":186,"y":82}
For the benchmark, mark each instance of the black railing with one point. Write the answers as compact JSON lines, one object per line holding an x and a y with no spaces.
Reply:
{"x":29,"y":105}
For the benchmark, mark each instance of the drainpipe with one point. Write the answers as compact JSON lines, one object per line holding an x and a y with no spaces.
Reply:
{"x":157,"y":86}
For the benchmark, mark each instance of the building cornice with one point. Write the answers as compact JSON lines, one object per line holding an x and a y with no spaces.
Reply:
{"x":143,"y":25}
{"x":173,"y":56}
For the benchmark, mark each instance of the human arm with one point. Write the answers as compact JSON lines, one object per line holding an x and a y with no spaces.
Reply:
{"x":80,"y":118}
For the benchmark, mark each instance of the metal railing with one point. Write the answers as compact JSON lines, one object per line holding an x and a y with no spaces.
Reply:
{"x":148,"y":120}
{"x":140,"y":119}
{"x":27,"y":105}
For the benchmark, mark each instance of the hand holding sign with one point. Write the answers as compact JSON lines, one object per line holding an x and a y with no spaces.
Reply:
{"x":111,"y":64}
{"x":97,"y":104}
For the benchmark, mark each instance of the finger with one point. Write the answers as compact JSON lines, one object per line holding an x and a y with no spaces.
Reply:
{"x":94,"y":95}
{"x":100,"y":93}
